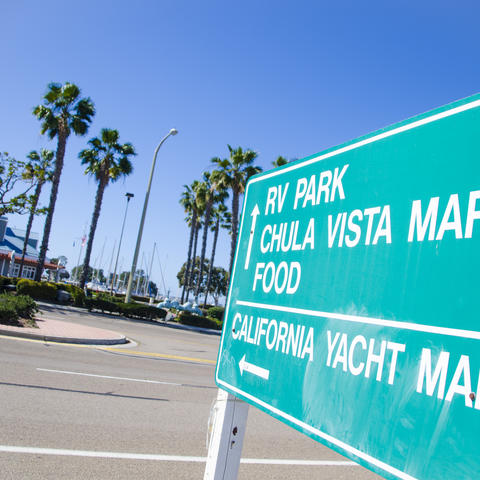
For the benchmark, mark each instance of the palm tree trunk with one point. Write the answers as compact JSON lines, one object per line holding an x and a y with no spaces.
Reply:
{"x":235,"y":201}
{"x":210,"y":269}
{"x":194,"y":261}
{"x":60,"y":155}
{"x":36,"y":196}
{"x":189,"y":256}
{"x":208,"y":210}
{"x":96,"y":213}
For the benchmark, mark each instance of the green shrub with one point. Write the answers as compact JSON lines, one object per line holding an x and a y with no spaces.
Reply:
{"x":186,"y":318}
{"x":102,"y":304}
{"x":130,"y":310}
{"x":24,"y":305}
{"x":14,"y":307}
{"x":110,"y":298}
{"x":8,"y":314}
{"x":77,"y":294}
{"x":37,"y":290}
{"x":5,"y":281}
{"x":135,"y":310}
{"x":216,"y":312}
{"x":140,"y":298}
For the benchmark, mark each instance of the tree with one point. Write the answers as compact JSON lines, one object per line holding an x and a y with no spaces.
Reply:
{"x":212,"y":192}
{"x":234,"y":173}
{"x":41,"y":168}
{"x":189,"y":202}
{"x":91,"y":274}
{"x":64,"y":275}
{"x":280,"y":161}
{"x":152,"y":289}
{"x":63,"y":111}
{"x":191,"y":277}
{"x":121,"y":279}
{"x":223,"y":219}
{"x":16,"y":181}
{"x":98,"y":274}
{"x":219,"y":278}
{"x":76,"y":272}
{"x":107,"y":160}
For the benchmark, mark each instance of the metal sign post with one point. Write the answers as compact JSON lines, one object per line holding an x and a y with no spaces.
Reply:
{"x":228,"y":424}
{"x":353,"y":310}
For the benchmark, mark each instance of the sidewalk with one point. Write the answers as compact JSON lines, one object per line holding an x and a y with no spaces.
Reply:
{"x":64,"y":332}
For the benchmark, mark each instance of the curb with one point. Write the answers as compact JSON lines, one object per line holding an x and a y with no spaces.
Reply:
{"x":207,"y":331}
{"x":80,"y":341}
{"x":168,"y":324}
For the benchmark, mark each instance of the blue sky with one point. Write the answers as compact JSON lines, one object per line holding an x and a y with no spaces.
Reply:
{"x":284,"y":78}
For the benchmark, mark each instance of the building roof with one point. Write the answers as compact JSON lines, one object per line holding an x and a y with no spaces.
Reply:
{"x":13,"y":240}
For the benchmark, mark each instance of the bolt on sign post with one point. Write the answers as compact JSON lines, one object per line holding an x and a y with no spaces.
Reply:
{"x":354,"y":308}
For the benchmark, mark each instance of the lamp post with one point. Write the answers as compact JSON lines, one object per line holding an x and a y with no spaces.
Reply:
{"x":129,"y":196}
{"x":173,"y":131}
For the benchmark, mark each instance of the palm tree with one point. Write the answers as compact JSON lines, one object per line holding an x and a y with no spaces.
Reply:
{"x":41,"y":167}
{"x":234,"y":173}
{"x":189,"y":202}
{"x":63,"y":111}
{"x":280,"y":161}
{"x":210,"y":193}
{"x":223,"y":218}
{"x":107,"y":160}
{"x":191,"y":278}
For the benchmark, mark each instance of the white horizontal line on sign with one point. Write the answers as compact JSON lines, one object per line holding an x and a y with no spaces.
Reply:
{"x":167,"y":458}
{"x":452,"y":332}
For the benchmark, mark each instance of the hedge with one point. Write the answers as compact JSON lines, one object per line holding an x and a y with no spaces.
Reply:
{"x":140,"y":298}
{"x":77,"y":293}
{"x":136,"y":310}
{"x":5,"y":281}
{"x":130,"y":310}
{"x":186,"y":318}
{"x":14,"y":307}
{"x":37,"y":290}
{"x":216,"y":312}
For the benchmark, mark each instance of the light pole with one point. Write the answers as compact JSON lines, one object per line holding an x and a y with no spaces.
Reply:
{"x":129,"y":196}
{"x":173,"y":131}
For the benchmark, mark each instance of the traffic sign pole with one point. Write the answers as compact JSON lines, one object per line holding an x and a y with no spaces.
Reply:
{"x":228,"y":423}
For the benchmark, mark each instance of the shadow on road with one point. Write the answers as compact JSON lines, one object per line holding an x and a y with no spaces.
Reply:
{"x":108,"y":394}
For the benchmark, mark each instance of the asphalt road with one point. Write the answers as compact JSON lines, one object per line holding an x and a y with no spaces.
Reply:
{"x":151,"y":398}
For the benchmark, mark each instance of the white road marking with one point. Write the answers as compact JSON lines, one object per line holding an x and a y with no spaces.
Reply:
{"x":109,"y":377}
{"x":166,"y":458}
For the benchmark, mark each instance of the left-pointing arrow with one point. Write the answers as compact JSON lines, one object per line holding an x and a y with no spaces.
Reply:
{"x":253,"y":369}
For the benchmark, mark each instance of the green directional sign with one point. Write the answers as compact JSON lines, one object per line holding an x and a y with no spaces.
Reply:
{"x":354,"y":308}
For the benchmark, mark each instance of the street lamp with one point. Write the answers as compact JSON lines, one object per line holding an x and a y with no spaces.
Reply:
{"x":173,"y":131}
{"x":129,"y":196}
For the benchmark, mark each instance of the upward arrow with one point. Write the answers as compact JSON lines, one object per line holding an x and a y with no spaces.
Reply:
{"x":254,"y":215}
